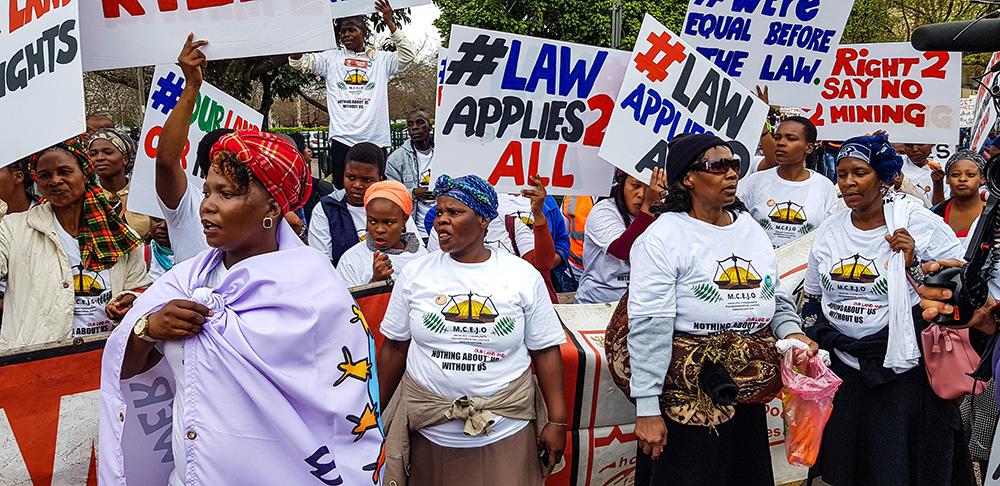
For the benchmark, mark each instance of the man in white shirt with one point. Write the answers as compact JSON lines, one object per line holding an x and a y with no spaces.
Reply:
{"x":410,"y":164}
{"x":357,"y":78}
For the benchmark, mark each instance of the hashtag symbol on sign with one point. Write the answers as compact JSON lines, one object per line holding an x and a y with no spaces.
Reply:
{"x":168,"y":91}
{"x":660,"y":46}
{"x":479,"y":58}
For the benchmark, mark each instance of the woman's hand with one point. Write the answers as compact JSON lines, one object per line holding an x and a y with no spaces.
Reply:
{"x":537,"y":196}
{"x":381,"y":267}
{"x":117,"y":308}
{"x":655,"y":191}
{"x":552,"y":441}
{"x":798,"y":336}
{"x":652,"y":435}
{"x":386,"y":10}
{"x":900,"y":240}
{"x":763,"y":94}
{"x":179,"y":319}
{"x":193,"y":61}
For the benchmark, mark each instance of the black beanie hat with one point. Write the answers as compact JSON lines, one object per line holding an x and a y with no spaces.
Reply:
{"x":685,"y":149}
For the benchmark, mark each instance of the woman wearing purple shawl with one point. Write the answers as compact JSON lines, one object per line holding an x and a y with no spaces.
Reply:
{"x":255,"y":344}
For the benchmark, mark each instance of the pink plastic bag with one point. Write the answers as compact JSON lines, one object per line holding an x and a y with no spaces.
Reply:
{"x":808,"y":402}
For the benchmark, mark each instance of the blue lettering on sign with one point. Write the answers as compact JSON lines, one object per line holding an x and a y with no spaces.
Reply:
{"x":720,"y":27}
{"x":805,"y":10}
{"x":729,"y":61}
{"x":666,"y":113}
{"x":801,"y":36}
{"x":792,"y":68}
{"x":554,"y":71}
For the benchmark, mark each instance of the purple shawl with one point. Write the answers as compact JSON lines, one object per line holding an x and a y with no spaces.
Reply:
{"x":280,"y":384}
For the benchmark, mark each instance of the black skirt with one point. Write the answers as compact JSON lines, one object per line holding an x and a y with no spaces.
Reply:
{"x":738,"y":455}
{"x":898,"y":433}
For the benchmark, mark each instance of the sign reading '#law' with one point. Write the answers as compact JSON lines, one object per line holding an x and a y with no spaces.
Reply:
{"x":129,"y":33}
{"x":215,"y":109}
{"x":514,"y":106}
{"x":41,"y":81}
{"x":670,"y":89}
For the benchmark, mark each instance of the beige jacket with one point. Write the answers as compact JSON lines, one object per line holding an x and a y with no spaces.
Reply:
{"x":38,"y":305}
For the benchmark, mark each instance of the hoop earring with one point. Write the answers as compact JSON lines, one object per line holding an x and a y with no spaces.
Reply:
{"x":268,"y":223}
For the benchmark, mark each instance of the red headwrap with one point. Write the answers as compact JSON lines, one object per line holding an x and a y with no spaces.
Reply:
{"x":277,"y":164}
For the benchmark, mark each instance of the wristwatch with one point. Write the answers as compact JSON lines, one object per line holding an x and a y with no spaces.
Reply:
{"x":916,"y":272}
{"x":140,"y":329}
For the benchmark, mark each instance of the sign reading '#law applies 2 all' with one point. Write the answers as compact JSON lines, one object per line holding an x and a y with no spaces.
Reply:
{"x":669,"y":89}
{"x":912,"y":95}
{"x":129,"y":33}
{"x":787,"y":46}
{"x":513,"y":106}
{"x":41,"y":80}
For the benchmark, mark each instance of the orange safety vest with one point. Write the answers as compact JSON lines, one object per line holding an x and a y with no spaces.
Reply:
{"x":576,"y":209}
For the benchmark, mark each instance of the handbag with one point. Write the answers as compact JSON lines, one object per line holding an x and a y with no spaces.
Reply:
{"x":949,"y":359}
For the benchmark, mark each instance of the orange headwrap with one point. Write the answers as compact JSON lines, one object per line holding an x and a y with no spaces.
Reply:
{"x":394,"y":191}
{"x":277,"y":164}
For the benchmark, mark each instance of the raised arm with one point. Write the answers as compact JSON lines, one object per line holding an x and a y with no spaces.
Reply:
{"x":171,"y":182}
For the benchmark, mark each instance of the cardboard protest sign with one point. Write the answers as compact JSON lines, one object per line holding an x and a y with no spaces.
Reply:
{"x":214,"y":109}
{"x":41,"y":79}
{"x":347,"y":8}
{"x":910,"y":94}
{"x":129,"y":33}
{"x":985,"y":118}
{"x":788,"y":47}
{"x":514,"y":106}
{"x":968,"y":115}
{"x":670,"y":89}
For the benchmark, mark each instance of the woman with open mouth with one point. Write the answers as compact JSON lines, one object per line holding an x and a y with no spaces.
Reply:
{"x":389,"y":247}
{"x":858,"y":295}
{"x":270,"y":358}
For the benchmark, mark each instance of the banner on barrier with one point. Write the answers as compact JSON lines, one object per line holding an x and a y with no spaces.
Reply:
{"x":41,"y":79}
{"x":347,"y":8}
{"x":670,"y":89}
{"x":215,"y":109}
{"x":130,"y":33}
{"x":514,"y":106}
{"x":912,"y":95}
{"x":788,"y":47}
{"x":985,"y":118}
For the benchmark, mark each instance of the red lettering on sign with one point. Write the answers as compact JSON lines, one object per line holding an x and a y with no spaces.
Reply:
{"x":33,"y":10}
{"x":150,"y":147}
{"x":511,"y":164}
{"x":113,"y":8}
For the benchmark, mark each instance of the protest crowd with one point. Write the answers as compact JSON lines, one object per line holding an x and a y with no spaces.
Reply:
{"x":221,"y":266}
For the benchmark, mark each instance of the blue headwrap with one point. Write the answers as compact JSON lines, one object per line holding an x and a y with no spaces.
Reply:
{"x":876,"y":151}
{"x":472,"y":191}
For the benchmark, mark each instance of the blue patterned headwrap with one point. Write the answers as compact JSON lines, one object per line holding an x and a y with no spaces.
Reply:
{"x":472,"y":191}
{"x":876,"y":151}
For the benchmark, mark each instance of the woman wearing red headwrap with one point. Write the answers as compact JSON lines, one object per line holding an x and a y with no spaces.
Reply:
{"x":261,"y":337}
{"x":81,"y":255}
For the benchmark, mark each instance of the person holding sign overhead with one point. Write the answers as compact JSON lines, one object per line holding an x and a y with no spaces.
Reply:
{"x":357,"y":79}
{"x":789,"y":200}
{"x":887,"y":425}
{"x":705,"y":283}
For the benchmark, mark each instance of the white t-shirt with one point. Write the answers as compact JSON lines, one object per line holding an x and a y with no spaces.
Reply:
{"x":421,"y":208}
{"x":786,"y":209}
{"x":605,"y":277}
{"x":92,"y":290}
{"x":187,"y":236}
{"x":709,"y":278}
{"x":471,"y":332}
{"x":355,"y":265}
{"x":848,"y":267}
{"x":360,"y":219}
{"x":357,"y":96}
{"x":921,"y":177}
{"x":496,"y":233}
{"x":173,"y":352}
{"x":155,"y":269}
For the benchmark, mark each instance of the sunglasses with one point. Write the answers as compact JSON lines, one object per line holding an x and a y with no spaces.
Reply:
{"x":716,"y":166}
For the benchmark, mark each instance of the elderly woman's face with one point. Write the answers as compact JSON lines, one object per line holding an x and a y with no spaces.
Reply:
{"x":60,"y":178}
{"x":457,"y":225}
{"x":714,"y":189}
{"x":965,"y":179}
{"x":233,"y":217}
{"x":859,"y":183}
{"x":108,"y":161}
